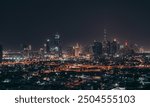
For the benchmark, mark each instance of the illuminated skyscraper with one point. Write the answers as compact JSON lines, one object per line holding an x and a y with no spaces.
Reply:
{"x":1,"y":53}
{"x":77,"y":50}
{"x":57,"y":45}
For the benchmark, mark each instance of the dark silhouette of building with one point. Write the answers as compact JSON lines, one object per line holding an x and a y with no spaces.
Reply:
{"x":47,"y":46}
{"x":97,"y":49}
{"x":106,"y":44}
{"x":114,"y":47}
{"x":1,"y":53}
{"x":70,"y":51}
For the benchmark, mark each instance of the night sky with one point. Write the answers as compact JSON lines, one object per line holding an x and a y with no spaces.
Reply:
{"x":82,"y":21}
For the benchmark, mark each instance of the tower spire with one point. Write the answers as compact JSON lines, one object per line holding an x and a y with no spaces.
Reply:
{"x":105,"y":35}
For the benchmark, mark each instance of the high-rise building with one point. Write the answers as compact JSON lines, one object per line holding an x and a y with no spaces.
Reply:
{"x":114,"y":47}
{"x":57,"y":45}
{"x":97,"y":49}
{"x":30,"y":47}
{"x":53,"y":46}
{"x":77,"y":50}
{"x":26,"y":50}
{"x":1,"y":53}
{"x":141,"y":50}
{"x":45,"y":48}
{"x":47,"y":45}
{"x":105,"y":40}
{"x":135,"y":48}
{"x":106,"y":44}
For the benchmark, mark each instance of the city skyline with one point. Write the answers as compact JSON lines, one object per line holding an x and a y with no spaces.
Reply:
{"x":50,"y":37}
{"x":32,"y":22}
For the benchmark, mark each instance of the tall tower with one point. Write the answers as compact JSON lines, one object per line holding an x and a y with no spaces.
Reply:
{"x":57,"y":45}
{"x":47,"y":46}
{"x":105,"y":35}
{"x":106,"y":44}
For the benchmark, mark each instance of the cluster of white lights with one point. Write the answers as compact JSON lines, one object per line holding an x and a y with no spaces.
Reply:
{"x":14,"y":58}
